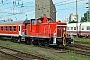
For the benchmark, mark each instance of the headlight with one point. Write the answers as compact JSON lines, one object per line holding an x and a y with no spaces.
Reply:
{"x":64,"y":29}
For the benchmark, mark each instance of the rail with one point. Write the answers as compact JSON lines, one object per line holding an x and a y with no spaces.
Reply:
{"x":80,"y":48}
{"x":21,"y":55}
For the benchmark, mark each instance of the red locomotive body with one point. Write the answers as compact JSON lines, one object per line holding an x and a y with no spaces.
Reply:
{"x":44,"y":32}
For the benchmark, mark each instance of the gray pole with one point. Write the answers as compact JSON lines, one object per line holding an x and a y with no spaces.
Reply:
{"x":77,"y":17}
{"x":42,"y":6}
{"x":89,"y":10}
{"x":35,"y":9}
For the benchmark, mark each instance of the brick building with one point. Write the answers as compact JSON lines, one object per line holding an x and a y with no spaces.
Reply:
{"x":45,"y":7}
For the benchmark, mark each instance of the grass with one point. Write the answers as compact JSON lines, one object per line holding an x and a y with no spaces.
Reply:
{"x":47,"y":53}
{"x":82,"y":39}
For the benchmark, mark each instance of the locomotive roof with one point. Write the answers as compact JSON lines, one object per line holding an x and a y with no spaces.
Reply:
{"x":27,"y":21}
{"x":16,"y":22}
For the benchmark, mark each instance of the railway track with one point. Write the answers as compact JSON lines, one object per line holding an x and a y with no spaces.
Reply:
{"x":80,"y":48}
{"x":82,"y":42}
{"x":19,"y":55}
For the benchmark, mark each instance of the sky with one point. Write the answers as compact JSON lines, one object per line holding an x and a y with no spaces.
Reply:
{"x":20,"y":9}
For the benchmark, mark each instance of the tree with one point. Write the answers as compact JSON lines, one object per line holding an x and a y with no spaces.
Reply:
{"x":84,"y":19}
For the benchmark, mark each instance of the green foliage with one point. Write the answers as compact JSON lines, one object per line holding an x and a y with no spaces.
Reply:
{"x":82,"y":39}
{"x":84,"y":19}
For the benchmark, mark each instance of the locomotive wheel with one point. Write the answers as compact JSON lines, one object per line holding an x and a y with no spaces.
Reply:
{"x":31,"y":42}
{"x":39,"y":43}
{"x":19,"y":40}
{"x":46,"y":43}
{"x":28,"y":42}
{"x":16,"y":40}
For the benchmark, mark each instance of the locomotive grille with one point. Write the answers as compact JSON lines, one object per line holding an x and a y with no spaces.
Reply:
{"x":59,"y":32}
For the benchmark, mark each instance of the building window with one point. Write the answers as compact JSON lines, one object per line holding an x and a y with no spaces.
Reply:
{"x":88,"y":27}
{"x":6,"y":28}
{"x":14,"y":28}
{"x":10,"y":28}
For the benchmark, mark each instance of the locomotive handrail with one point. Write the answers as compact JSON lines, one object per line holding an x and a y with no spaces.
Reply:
{"x":44,"y":28}
{"x":25,"y":30}
{"x":55,"y":31}
{"x":50,"y":31}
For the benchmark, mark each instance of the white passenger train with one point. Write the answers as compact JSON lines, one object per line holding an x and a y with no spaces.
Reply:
{"x":83,"y":29}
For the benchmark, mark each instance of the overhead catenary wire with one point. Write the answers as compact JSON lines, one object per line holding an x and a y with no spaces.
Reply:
{"x":61,"y":2}
{"x":14,"y":7}
{"x":58,"y":4}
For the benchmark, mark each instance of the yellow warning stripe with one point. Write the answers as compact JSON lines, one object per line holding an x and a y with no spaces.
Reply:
{"x":64,"y":38}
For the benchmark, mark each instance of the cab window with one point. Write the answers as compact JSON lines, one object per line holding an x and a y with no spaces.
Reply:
{"x":49,"y":20}
{"x":33,"y":21}
{"x":39,"y":21}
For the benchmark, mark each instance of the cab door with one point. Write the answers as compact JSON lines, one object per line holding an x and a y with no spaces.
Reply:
{"x":19,"y":29}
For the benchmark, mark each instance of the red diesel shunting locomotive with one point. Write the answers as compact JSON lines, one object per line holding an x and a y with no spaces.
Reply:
{"x":40,"y":31}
